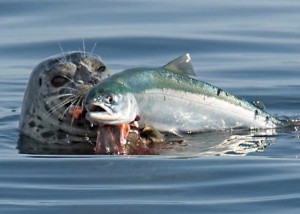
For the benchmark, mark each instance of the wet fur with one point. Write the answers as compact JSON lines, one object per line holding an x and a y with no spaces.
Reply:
{"x":45,"y":115}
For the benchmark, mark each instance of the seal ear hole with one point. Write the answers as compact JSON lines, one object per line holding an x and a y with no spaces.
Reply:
{"x":40,"y":82}
{"x":59,"y":81}
{"x":101,"y":68}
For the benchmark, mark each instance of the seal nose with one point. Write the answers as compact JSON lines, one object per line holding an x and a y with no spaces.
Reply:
{"x":94,"y":80}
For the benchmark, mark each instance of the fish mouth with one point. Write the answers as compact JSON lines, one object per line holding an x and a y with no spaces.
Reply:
{"x":100,"y":113}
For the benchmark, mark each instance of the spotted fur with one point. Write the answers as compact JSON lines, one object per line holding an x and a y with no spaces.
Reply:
{"x":55,"y":86}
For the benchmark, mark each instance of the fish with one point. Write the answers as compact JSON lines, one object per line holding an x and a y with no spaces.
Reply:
{"x":171,"y":99}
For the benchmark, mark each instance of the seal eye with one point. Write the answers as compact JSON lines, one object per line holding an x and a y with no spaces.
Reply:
{"x":101,"y":68}
{"x":59,"y":81}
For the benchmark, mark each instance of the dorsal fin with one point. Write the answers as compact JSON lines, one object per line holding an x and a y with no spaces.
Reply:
{"x":181,"y":65}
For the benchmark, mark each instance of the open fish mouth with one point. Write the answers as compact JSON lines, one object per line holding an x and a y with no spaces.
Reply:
{"x":100,"y":113}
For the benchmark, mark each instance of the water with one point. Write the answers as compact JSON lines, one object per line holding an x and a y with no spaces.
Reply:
{"x":250,"y":48}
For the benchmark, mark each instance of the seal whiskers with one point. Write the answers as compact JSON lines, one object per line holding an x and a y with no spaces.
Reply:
{"x":58,"y":97}
{"x":60,"y":105}
{"x":95,"y":44}
{"x":55,"y":86}
{"x":62,"y":51}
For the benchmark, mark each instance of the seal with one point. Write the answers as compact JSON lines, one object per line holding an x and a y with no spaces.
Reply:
{"x":53,"y":121}
{"x":53,"y":101}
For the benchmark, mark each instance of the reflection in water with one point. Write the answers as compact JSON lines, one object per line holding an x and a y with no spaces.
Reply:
{"x":236,"y":142}
{"x":233,"y":142}
{"x":245,"y":143}
{"x":27,"y":145}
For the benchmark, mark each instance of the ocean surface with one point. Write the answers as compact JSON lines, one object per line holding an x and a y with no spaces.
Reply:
{"x":249,"y":48}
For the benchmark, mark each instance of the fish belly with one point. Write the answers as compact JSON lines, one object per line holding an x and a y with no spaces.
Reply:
{"x":178,"y":111}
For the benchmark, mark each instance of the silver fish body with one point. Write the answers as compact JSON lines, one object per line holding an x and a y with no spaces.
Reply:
{"x":168,"y":99}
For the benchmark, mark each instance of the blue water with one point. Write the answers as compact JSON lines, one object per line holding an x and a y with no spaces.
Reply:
{"x":250,"y":48}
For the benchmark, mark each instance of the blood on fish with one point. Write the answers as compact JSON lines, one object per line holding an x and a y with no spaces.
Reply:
{"x":113,"y":139}
{"x":124,"y":130}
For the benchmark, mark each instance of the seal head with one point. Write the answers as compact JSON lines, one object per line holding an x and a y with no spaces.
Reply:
{"x":53,"y":100}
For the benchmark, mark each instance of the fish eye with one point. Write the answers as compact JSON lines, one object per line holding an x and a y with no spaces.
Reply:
{"x":59,"y":81}
{"x":109,"y":99}
{"x":101,"y":68}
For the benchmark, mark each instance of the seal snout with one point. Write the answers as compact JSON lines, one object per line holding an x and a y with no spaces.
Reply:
{"x":82,"y":89}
